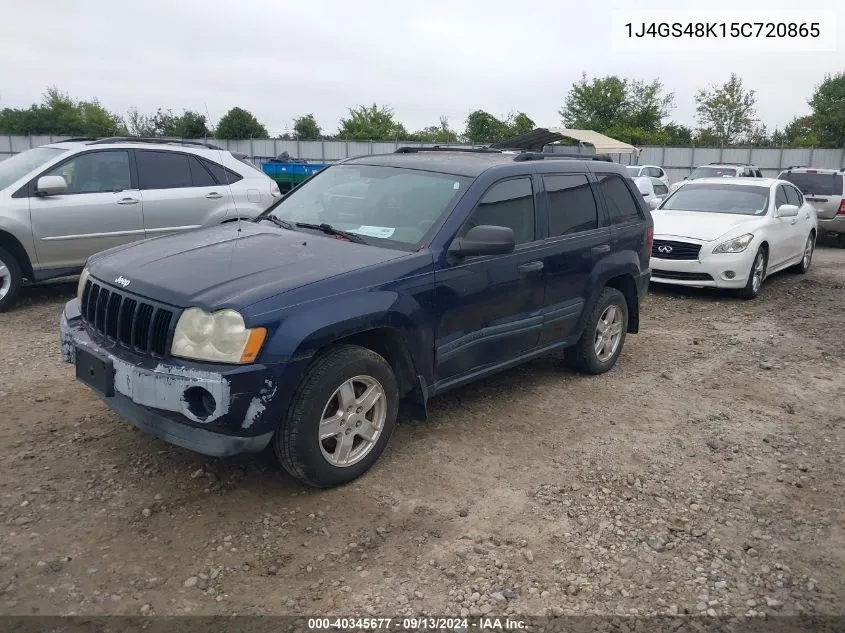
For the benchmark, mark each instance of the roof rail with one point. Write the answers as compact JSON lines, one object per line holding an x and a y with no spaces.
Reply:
{"x":160,"y":141}
{"x":438,"y":148}
{"x":560,"y":156}
{"x":721,"y":162}
{"x":77,"y":139}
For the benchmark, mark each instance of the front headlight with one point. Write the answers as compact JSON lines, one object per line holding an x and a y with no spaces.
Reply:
{"x":736,"y":245}
{"x":219,"y":337}
{"x":80,"y":288}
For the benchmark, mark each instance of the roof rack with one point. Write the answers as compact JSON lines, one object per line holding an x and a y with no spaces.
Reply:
{"x":560,"y":156}
{"x":77,"y":139}
{"x":721,"y":162}
{"x":160,"y":141}
{"x":438,"y":148}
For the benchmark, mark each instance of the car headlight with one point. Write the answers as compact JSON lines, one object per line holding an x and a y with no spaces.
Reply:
{"x":80,"y":288}
{"x":220,"y":336}
{"x":736,"y":245}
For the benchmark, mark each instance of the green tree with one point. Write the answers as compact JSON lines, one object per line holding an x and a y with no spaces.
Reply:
{"x":727,"y":112}
{"x":828,"y":104}
{"x":520,"y":123}
{"x":676,"y":134}
{"x":801,"y":132}
{"x":238,"y":123}
{"x":305,"y":127}
{"x":187,"y":125}
{"x":483,"y":127}
{"x":629,"y":110}
{"x":436,"y":133}
{"x":371,"y":123}
{"x":58,"y":113}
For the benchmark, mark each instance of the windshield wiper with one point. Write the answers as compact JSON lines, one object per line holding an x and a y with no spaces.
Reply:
{"x":282,"y":223}
{"x":330,"y":230}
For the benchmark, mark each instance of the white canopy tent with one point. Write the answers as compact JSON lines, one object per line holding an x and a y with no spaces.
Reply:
{"x":603,"y":144}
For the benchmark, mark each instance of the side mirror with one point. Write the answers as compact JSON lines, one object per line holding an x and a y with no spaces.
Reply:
{"x":484,"y":240}
{"x":654,"y":203}
{"x":787,"y":211}
{"x":50,"y":186}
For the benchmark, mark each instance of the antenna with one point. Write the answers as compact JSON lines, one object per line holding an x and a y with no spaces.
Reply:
{"x":229,"y":188}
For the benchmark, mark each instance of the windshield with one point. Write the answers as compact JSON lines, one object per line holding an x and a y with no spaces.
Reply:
{"x":387,"y":204}
{"x":712,"y":172}
{"x":633,"y":170}
{"x":815,"y":183}
{"x":14,"y":168}
{"x":717,"y":198}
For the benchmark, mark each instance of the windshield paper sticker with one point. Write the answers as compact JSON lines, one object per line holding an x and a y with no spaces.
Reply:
{"x":374,"y":231}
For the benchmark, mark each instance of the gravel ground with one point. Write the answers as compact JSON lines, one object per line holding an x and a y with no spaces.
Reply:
{"x":702,"y":475}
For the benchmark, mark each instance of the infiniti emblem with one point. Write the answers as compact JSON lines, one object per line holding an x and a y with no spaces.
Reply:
{"x":664,"y":249}
{"x":122,"y":281}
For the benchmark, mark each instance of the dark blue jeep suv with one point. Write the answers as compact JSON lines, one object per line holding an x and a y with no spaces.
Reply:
{"x":380,"y":279}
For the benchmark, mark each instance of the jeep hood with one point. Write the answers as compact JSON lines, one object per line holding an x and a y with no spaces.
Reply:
{"x":223,"y":267}
{"x":702,"y":226}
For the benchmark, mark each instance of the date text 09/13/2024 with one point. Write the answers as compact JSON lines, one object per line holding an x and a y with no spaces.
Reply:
{"x":416,"y":624}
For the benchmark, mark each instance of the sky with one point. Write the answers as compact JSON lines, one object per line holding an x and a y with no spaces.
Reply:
{"x":423,"y":58}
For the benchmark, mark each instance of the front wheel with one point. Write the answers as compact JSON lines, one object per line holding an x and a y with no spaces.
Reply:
{"x":604,"y":334}
{"x":756,"y":276}
{"x":341,"y":418}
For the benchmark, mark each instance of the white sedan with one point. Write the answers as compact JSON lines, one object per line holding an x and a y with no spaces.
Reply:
{"x":731,"y":233}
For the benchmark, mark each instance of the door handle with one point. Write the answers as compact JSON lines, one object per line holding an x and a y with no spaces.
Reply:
{"x":602,"y":249}
{"x":128,"y":201}
{"x":530,"y":267}
{"x":214,"y":195}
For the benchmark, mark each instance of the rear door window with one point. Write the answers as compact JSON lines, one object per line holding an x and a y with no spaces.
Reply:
{"x":163,"y":170}
{"x":572,"y":207}
{"x":620,"y":202}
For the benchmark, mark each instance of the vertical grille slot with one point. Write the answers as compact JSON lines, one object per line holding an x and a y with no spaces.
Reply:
{"x":124,"y":321}
{"x":160,"y":328}
{"x":112,"y":311}
{"x":141,"y":327}
{"x":91,"y":307}
{"x":100,"y":314}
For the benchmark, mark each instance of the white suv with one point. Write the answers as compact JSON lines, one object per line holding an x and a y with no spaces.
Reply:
{"x":652,"y":171}
{"x":720,"y":170}
{"x":63,"y":202}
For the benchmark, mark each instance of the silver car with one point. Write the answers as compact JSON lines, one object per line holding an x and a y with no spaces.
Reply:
{"x":61,"y":203}
{"x":825,"y":190}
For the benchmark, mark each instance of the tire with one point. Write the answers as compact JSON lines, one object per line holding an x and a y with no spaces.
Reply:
{"x":807,"y":258}
{"x":583,"y":355}
{"x":11,"y":280}
{"x":752,"y":288}
{"x":297,"y":443}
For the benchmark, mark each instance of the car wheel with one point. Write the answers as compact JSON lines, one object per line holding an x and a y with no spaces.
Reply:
{"x":604,"y":334}
{"x":341,"y":417}
{"x":756,"y":276}
{"x":806,"y":259}
{"x":10,"y":279}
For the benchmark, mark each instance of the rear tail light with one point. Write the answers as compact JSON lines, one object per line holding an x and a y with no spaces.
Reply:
{"x":841,"y":208}
{"x":649,"y":240}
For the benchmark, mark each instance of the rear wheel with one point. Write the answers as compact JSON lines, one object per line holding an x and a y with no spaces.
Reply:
{"x":341,"y":418}
{"x":756,"y":276}
{"x":604,"y":334}
{"x":10,"y":279}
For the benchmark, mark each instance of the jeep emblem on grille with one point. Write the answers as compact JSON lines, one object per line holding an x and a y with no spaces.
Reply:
{"x":122,"y":281}
{"x":661,"y":249}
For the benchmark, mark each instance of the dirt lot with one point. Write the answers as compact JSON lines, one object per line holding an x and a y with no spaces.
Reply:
{"x":703,"y":474}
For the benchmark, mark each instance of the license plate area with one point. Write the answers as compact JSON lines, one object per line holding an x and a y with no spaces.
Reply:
{"x":95,"y":372}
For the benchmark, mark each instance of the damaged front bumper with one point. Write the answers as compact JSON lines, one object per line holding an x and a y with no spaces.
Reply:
{"x":216,"y":410}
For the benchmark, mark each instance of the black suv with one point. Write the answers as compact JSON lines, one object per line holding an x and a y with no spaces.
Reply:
{"x":382,"y":278}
